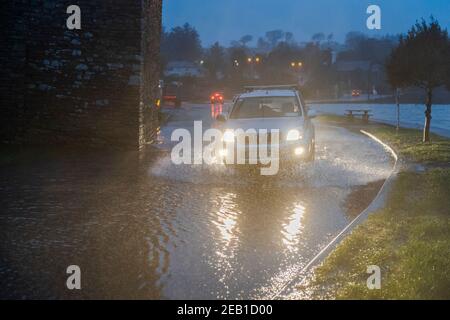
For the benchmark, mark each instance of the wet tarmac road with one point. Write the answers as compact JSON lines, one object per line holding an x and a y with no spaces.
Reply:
{"x":140,"y":227}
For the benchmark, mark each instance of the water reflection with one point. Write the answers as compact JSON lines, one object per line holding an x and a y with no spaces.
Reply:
{"x":92,"y":211}
{"x":251,"y":232}
{"x":293,"y":228}
{"x":216,"y":109}
{"x":147,"y":229}
{"x":227,"y":219}
{"x":225,"y":236}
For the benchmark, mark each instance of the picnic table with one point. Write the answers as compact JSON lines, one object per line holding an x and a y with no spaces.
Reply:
{"x":363,"y":113}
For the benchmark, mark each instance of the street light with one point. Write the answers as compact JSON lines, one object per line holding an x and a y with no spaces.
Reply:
{"x":254,"y":59}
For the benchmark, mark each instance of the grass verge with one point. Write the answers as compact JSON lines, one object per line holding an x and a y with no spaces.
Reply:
{"x":407,"y":142}
{"x":409,"y":239}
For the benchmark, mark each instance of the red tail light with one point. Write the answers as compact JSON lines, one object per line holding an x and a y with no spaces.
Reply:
{"x":217,"y":96}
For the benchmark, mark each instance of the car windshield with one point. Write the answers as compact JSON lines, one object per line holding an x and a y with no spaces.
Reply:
{"x":266,"y":107}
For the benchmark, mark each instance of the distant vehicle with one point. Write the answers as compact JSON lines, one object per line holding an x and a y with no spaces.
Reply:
{"x":172,"y":93}
{"x":273,"y":108}
{"x":217,"y":97}
{"x":356,"y":93}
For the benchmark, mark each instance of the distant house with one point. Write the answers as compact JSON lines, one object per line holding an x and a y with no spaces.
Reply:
{"x":183,"y":69}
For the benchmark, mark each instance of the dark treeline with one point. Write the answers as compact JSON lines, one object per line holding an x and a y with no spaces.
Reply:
{"x":322,"y":66}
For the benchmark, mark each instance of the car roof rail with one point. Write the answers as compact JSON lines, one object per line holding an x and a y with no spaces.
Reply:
{"x":273,"y":87}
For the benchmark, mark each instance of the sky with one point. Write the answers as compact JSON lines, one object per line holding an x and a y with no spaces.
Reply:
{"x":227,"y":20}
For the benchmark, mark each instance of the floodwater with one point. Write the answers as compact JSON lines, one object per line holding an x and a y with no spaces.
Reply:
{"x":141,"y":227}
{"x":411,"y":115}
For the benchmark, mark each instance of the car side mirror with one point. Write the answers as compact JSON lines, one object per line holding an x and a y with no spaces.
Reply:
{"x":312,"y":114}
{"x":221,"y":118}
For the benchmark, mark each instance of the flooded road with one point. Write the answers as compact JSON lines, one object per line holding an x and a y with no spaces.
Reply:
{"x":140,"y":227}
{"x":411,"y":116}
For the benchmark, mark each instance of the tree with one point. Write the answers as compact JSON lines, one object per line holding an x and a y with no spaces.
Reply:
{"x":181,"y":43}
{"x":215,"y":61}
{"x":318,"y":37}
{"x":237,"y":62}
{"x":353,"y":39}
{"x":263,"y":45}
{"x":289,"y":37}
{"x":330,"y":37}
{"x":246,"y":39}
{"x":277,"y":66}
{"x":361,"y":47}
{"x":274,"y":36}
{"x":422,"y":59}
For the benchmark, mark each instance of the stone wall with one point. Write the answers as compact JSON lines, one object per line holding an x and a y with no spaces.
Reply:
{"x":95,"y":86}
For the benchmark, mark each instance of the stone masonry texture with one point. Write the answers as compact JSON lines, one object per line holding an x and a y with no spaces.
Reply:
{"x":95,"y":86}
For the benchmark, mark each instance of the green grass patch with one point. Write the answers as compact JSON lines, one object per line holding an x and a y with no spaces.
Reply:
{"x":409,"y":239}
{"x":407,"y":142}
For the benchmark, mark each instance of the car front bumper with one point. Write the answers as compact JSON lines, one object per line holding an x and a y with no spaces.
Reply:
{"x":262,"y":153}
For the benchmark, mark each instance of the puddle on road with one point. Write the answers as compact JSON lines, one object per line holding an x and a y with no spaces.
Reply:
{"x":165,"y":231}
{"x":310,"y":214}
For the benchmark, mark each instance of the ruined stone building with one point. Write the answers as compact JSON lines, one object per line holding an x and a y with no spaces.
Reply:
{"x":95,"y":86}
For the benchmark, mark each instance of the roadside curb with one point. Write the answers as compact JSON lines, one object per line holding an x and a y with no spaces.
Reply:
{"x":376,"y":204}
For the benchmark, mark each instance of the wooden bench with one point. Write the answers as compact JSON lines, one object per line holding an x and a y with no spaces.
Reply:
{"x":364,"y":114}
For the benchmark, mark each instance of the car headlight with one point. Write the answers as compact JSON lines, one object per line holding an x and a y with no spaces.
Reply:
{"x":299,"y":151}
{"x":223,"y":153}
{"x":294,"y":135}
{"x":228,"y":136}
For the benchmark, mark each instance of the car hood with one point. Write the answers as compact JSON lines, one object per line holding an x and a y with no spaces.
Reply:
{"x":282,"y":124}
